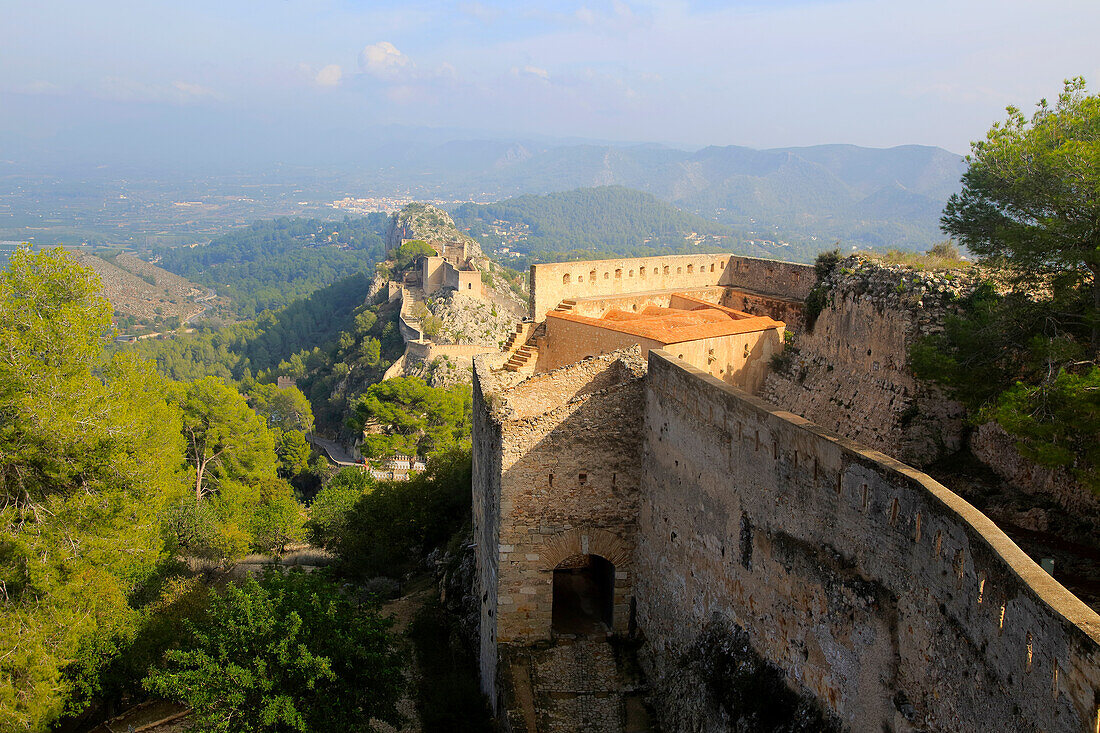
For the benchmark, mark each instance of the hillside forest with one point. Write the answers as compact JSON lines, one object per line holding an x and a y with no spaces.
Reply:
{"x":162,"y":501}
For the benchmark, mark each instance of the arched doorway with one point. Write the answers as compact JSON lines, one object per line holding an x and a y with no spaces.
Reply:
{"x":584,"y":595}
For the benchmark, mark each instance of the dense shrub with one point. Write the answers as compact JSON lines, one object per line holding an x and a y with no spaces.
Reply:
{"x":287,"y":652}
{"x":396,"y":523}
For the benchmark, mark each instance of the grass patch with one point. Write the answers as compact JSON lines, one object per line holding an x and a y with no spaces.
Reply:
{"x":942,"y":256}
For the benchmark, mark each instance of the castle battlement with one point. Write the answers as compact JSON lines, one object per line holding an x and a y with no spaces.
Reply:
{"x":654,"y":500}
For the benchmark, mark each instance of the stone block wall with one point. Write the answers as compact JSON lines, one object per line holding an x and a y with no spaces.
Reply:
{"x":486,"y":451}
{"x":771,"y":277}
{"x":791,"y":311}
{"x":555,"y":282}
{"x":596,"y":307}
{"x":741,"y":359}
{"x":432,"y":273}
{"x":878,"y":593}
{"x":997,"y":449}
{"x":552,"y":283}
{"x":851,"y":373}
{"x":556,"y":474}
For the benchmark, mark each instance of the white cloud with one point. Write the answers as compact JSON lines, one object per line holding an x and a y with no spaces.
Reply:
{"x":192,"y":91}
{"x":329,"y":76}
{"x":536,"y":71}
{"x":383,"y":61}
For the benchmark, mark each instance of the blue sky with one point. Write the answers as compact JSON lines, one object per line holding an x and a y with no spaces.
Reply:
{"x":764,"y":74}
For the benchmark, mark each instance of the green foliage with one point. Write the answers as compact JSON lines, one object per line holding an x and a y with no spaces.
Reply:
{"x":284,"y":653}
{"x":271,"y":263}
{"x":283,"y":408}
{"x":588,"y":222}
{"x":941,"y":256}
{"x":161,"y":606}
{"x":825,"y":263}
{"x":237,"y":501}
{"x":293,"y":451}
{"x":431,"y":325}
{"x":1029,"y":201}
{"x":89,"y":454}
{"x":328,"y":512}
{"x":277,"y":518}
{"x":1057,"y":422}
{"x":406,"y":255}
{"x":397,"y":522}
{"x":225,"y":439}
{"x":1027,"y":358}
{"x":406,"y":416}
{"x":235,"y":352}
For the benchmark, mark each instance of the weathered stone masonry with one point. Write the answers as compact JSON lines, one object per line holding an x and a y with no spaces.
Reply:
{"x":557,"y":467}
{"x":878,"y":593}
{"x":892,"y":601}
{"x":875,"y":595}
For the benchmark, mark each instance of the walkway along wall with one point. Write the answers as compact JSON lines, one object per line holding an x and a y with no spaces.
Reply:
{"x":890,"y":600}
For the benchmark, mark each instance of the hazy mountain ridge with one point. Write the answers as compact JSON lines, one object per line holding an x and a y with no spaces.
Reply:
{"x":826,"y":190}
{"x":591,"y":222}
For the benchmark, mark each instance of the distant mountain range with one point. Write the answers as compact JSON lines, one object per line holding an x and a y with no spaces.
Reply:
{"x":590,"y":223}
{"x":868,"y":197}
{"x":805,"y":198}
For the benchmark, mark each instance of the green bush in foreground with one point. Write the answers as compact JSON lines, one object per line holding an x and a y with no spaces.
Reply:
{"x":284,"y":653}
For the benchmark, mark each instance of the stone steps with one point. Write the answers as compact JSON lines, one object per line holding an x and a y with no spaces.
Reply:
{"x":526,"y":355}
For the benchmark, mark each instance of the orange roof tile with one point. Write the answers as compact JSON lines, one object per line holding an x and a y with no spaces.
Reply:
{"x":673,"y":325}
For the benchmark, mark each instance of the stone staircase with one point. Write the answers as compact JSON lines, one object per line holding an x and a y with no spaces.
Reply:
{"x":519,"y":337}
{"x":524,"y":359}
{"x":566,"y":306}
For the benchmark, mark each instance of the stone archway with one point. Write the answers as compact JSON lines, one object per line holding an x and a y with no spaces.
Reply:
{"x":583,"y":596}
{"x":585,"y":541}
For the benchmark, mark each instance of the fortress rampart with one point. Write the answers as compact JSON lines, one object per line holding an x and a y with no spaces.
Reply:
{"x":890,"y":600}
{"x":875,"y":593}
{"x":553,"y":283}
{"x":744,"y":537}
{"x":851,"y":373}
{"x":557,"y":468}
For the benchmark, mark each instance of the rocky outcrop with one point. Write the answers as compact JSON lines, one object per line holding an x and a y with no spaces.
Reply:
{"x":428,"y":223}
{"x":997,"y":449}
{"x":469,"y":320}
{"x":851,"y":372}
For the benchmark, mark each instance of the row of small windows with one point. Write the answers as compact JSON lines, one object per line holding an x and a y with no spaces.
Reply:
{"x":667,"y":270}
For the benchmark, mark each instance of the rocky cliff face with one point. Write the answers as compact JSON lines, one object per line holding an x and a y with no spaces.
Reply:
{"x":850,"y":373}
{"x":426,"y":222}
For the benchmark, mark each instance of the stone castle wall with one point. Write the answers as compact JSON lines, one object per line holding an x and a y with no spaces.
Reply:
{"x":791,"y":311}
{"x":553,"y":283}
{"x":885,"y":597}
{"x":740,"y":359}
{"x":556,"y":474}
{"x":851,"y":373}
{"x":428,"y":350}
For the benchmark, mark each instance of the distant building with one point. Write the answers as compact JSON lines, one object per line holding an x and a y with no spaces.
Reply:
{"x":397,"y":467}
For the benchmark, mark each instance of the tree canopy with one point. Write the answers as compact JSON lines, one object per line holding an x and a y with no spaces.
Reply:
{"x":1030,"y":202}
{"x":1022,"y":350}
{"x":89,"y":455}
{"x":270,"y":263}
{"x":405,"y":415}
{"x":284,"y":653}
